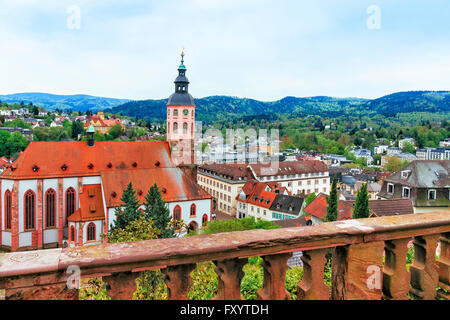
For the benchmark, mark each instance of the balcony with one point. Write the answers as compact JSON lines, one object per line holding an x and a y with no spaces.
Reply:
{"x":368,"y":262}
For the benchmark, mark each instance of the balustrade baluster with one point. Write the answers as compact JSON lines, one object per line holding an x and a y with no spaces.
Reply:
{"x":275,"y":267}
{"x":396,"y":279}
{"x":178,"y":279}
{"x":229,"y":274}
{"x":313,"y":286}
{"x":444,"y":266}
{"x":121,"y":285}
{"x":424,"y":270}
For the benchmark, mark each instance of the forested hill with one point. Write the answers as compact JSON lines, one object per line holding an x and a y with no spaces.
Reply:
{"x":223,"y":107}
{"x":77,"y":102}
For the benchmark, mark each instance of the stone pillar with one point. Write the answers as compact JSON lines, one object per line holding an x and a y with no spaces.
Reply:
{"x":80,"y":233}
{"x":60,"y":210}
{"x":275,"y":267}
{"x":357,"y":271}
{"x":444,"y":266}
{"x":230,"y":274}
{"x":122,"y":285}
{"x":424,"y":270}
{"x":396,"y":278}
{"x":178,"y":279}
{"x":313,"y":286}
{"x":39,"y":214}
{"x":15,"y":216}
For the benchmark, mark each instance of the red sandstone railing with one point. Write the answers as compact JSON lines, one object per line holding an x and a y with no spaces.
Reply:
{"x":359,"y":268}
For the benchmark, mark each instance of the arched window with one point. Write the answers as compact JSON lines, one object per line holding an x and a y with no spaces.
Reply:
{"x":70,"y":202}
{"x":175,"y":112}
{"x":204,"y":219}
{"x":175,"y":127}
{"x":7,"y":210}
{"x":72,"y":233}
{"x":50,"y":208}
{"x":30,"y":209}
{"x":185,"y":127}
{"x":177,"y":213}
{"x":193,"y":210}
{"x":91,"y":232}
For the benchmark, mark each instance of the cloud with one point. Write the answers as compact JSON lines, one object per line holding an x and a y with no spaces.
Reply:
{"x":260,"y":49}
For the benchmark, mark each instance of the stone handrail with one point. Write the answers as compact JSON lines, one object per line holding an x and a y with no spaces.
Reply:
{"x":368,"y":261}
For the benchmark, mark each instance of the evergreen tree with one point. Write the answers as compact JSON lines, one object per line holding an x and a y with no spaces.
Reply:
{"x":332,"y":201}
{"x":129,"y":211}
{"x":157,"y":210}
{"x":361,"y":209}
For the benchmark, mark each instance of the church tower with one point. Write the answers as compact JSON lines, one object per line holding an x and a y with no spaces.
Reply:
{"x":181,"y":119}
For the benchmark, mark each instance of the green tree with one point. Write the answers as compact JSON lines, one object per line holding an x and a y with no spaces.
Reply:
{"x":4,"y":136}
{"x":361,"y":209}
{"x":129,"y":211}
{"x":310,"y":198}
{"x":77,"y":128}
{"x":16,"y":143}
{"x":408,"y":147}
{"x":157,"y":210}
{"x":332,"y":201}
{"x":115,"y":132}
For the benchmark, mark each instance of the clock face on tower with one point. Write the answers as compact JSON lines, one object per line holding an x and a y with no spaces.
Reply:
{"x":185,"y":112}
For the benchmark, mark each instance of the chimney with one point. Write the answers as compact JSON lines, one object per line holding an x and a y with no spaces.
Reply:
{"x":90,"y":136}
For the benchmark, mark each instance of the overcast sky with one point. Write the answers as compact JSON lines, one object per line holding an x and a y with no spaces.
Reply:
{"x":247,"y":48}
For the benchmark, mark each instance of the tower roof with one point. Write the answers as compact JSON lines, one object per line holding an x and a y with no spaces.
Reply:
{"x":181,"y":96}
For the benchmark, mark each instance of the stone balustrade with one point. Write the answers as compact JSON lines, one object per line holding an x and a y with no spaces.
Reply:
{"x":368,"y":262}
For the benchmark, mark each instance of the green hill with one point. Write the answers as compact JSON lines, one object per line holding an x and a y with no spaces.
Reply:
{"x":223,"y":107}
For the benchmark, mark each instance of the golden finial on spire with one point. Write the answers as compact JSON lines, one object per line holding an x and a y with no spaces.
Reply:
{"x":182,"y":55}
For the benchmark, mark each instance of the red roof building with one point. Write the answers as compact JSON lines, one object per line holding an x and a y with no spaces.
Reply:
{"x":67,"y":193}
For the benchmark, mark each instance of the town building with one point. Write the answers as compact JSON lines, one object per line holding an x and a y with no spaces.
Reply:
{"x":225,"y":181}
{"x":268,"y":201}
{"x":101,"y":124}
{"x":426,"y":183}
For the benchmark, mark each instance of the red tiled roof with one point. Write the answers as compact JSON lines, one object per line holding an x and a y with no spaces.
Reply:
{"x":288,"y":167}
{"x":178,"y":186}
{"x":255,"y":189}
{"x":91,"y":204}
{"x":47,"y":159}
{"x":232,"y":171}
{"x":318,"y":208}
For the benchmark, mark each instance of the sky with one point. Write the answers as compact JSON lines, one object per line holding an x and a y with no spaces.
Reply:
{"x":258,"y":49}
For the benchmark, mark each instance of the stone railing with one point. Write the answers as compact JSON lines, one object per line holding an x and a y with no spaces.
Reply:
{"x":368,"y":261}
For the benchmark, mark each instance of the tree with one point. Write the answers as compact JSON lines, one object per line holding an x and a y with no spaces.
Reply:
{"x":408,"y":147}
{"x":156,"y":209}
{"x":77,"y":128}
{"x":16,"y":143}
{"x":310,"y":198}
{"x":393,"y":164}
{"x":332,"y":201}
{"x":361,"y":209}
{"x":130,"y":210}
{"x":115,"y":132}
{"x":4,"y":136}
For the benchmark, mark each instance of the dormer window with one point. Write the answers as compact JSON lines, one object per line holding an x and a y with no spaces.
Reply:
{"x":64,"y":167}
{"x":390,"y":188}
{"x":405,"y":174}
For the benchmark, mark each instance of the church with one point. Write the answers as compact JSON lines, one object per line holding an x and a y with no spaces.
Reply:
{"x":59,"y":194}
